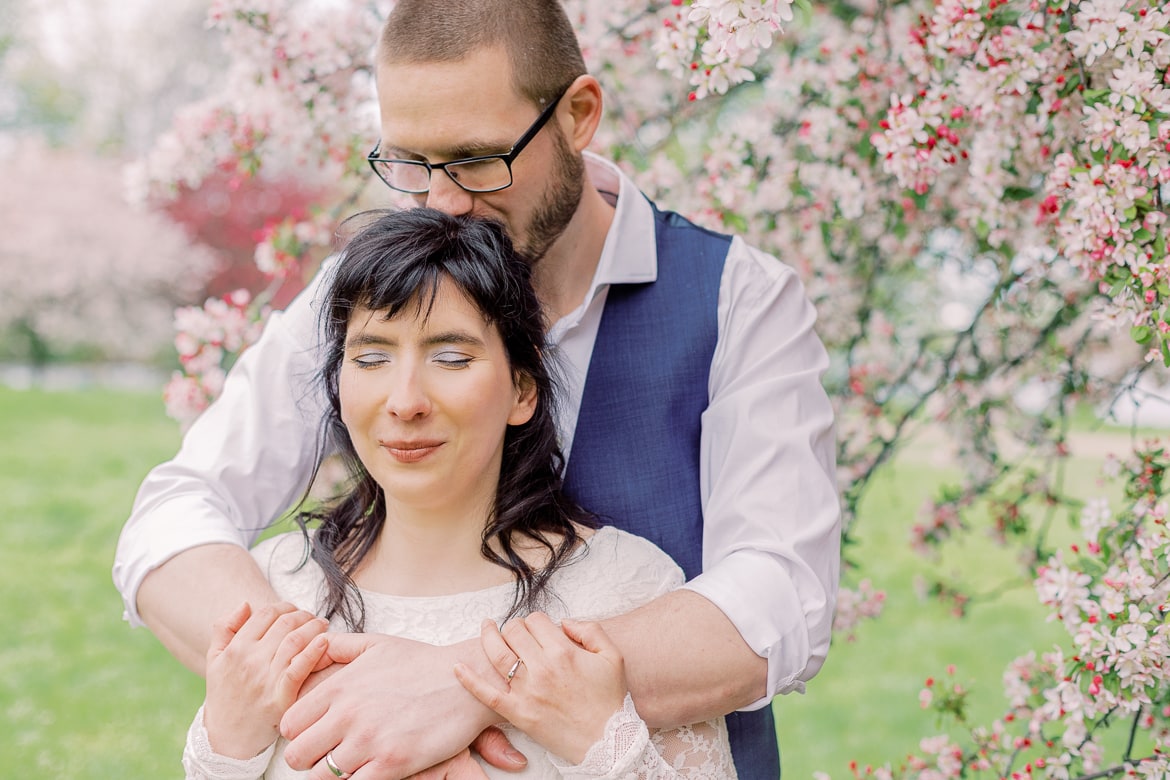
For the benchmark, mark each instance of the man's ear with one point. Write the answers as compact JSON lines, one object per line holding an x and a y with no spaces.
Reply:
{"x":526,"y":397}
{"x":583,"y":104}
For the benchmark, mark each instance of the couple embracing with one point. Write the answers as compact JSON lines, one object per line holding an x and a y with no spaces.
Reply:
{"x":473,"y":572}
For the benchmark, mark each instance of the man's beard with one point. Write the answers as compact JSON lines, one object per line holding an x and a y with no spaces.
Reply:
{"x":560,"y":201}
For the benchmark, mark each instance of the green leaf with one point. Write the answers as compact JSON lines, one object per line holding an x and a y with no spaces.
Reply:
{"x":1142,"y":334}
{"x":1018,"y":193}
{"x":982,"y":230}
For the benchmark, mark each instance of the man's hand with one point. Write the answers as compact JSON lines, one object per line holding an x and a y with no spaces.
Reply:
{"x":461,"y":767}
{"x":393,"y":709}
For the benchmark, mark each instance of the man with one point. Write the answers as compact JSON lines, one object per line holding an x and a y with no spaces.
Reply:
{"x":692,"y":414}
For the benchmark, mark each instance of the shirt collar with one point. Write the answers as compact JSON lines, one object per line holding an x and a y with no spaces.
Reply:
{"x":630,"y":253}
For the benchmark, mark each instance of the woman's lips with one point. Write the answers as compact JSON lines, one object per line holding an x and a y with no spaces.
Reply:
{"x":410,"y":451}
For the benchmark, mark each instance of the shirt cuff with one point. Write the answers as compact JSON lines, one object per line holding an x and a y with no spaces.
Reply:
{"x":755,"y":592}
{"x":148,"y":546}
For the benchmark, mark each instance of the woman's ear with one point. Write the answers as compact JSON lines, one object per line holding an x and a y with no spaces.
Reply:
{"x":526,"y":396}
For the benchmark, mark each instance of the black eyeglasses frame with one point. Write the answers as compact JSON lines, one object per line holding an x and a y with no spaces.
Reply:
{"x":508,"y":157}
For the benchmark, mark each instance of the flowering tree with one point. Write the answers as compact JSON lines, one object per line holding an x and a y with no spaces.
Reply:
{"x":80,"y":270}
{"x":974,"y":192}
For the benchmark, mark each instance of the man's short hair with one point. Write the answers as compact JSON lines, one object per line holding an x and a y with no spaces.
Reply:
{"x":536,"y":34}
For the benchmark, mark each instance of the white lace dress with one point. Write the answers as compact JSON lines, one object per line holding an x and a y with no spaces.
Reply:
{"x":612,"y":573}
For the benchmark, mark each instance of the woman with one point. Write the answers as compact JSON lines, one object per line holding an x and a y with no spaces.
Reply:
{"x":441,"y":402}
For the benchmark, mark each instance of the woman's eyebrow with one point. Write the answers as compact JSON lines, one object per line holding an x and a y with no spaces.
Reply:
{"x":366,"y":339}
{"x":454,"y":337}
{"x":461,"y":337}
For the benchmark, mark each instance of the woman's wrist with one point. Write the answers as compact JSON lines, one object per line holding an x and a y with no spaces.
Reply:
{"x":624,"y":738}
{"x":242,"y":740}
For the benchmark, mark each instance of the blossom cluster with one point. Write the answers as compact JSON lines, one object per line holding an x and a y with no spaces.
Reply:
{"x":1061,"y":107}
{"x":208,"y":340}
{"x":719,"y":41}
{"x":855,"y":606}
{"x":282,"y":245}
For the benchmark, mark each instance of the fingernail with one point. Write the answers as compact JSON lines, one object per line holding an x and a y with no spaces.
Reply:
{"x":515,"y":756}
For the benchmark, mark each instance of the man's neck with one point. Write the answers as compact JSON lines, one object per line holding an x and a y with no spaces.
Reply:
{"x":563,"y":276}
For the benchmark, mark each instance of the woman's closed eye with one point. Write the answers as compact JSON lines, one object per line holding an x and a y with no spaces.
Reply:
{"x":370,"y":359}
{"x":453,"y":359}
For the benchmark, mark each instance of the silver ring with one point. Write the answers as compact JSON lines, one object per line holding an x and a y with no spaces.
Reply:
{"x":333,"y":767}
{"x":512,"y":672}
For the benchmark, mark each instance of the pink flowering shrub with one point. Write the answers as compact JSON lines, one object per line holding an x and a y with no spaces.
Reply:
{"x":1110,"y":591}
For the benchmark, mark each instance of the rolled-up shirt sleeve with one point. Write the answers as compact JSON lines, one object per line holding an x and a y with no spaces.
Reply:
{"x":246,"y":460}
{"x":772,"y":521}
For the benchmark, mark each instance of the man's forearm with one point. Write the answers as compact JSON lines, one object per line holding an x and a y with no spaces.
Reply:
{"x":181,"y":599}
{"x":685,"y":661}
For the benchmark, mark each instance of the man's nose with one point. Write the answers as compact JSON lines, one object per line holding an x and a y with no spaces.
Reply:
{"x":447,"y":196}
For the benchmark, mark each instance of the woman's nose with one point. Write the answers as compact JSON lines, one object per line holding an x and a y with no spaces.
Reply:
{"x":407,"y":397}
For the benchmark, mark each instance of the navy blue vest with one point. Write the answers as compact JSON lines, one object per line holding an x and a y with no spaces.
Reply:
{"x":635,"y":456}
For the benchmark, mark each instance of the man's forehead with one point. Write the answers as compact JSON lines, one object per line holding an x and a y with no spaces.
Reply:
{"x":486,"y":69}
{"x":441,"y":118}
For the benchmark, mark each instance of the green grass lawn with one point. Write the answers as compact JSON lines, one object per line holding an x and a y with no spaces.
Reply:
{"x":863,"y":705}
{"x":84,"y":696}
{"x":81,"y":694}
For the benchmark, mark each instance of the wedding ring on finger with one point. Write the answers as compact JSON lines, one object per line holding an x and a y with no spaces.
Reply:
{"x":512,"y":672}
{"x":333,"y":767}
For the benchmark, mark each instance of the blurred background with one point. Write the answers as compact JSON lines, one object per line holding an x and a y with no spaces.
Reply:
{"x":89,"y":276}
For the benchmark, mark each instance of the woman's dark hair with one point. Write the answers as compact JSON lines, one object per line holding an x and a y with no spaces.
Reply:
{"x":397,"y":260}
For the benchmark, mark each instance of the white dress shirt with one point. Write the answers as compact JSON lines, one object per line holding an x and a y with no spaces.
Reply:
{"x":771,"y":513}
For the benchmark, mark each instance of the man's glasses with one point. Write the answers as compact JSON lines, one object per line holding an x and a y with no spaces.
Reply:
{"x":485,"y":173}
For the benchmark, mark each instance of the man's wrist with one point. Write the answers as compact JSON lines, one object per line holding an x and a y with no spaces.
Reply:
{"x":470,"y":652}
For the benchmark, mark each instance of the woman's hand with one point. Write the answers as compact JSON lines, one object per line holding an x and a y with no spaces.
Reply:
{"x":569,"y":681}
{"x":256,"y":665}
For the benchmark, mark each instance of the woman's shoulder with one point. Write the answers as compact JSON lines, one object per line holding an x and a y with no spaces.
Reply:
{"x":286,"y":549}
{"x":614,"y":572}
{"x":624,"y":550}
{"x":284,"y":560}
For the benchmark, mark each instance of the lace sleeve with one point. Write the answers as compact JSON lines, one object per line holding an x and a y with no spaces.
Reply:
{"x":627,"y":751}
{"x":201,"y":762}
